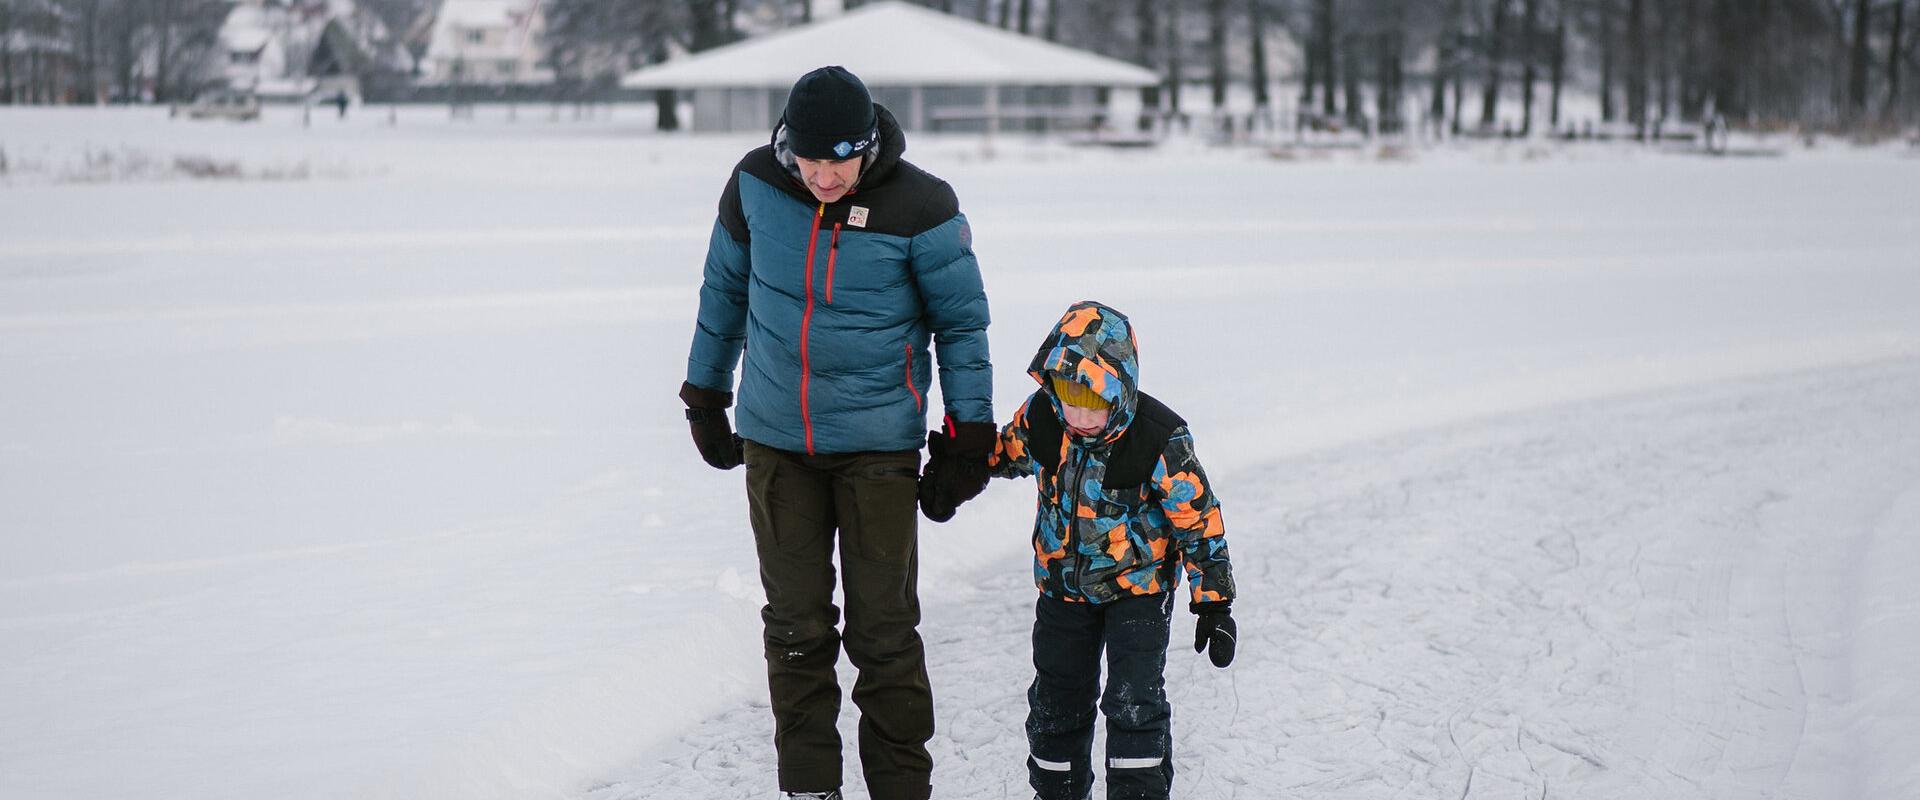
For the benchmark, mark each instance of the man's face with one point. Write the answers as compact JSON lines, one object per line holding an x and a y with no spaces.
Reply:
{"x":829,"y":180}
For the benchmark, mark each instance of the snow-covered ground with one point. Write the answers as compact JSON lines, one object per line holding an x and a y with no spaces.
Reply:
{"x":1548,"y":473}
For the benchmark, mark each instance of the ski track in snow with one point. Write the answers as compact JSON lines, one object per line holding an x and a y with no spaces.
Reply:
{"x":1617,"y":598}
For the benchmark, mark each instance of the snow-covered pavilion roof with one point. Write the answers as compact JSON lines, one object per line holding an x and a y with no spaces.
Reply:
{"x":894,"y":44}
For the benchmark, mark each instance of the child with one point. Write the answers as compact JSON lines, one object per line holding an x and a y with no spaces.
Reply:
{"x":1123,"y":502}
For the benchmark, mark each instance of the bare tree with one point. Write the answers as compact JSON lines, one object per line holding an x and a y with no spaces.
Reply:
{"x":1217,"y":53}
{"x":1326,"y":39}
{"x":1858,"y":66}
{"x":1394,"y":61}
{"x":1637,"y":65}
{"x":1257,"y":31}
{"x":1894,"y":43}
{"x":1605,"y":13}
{"x":1558,"y":64}
{"x":1446,"y":62}
{"x":186,"y":32}
{"x":1496,"y":62}
{"x":1175,"y":57}
{"x":1147,"y":28}
{"x":1529,"y":26}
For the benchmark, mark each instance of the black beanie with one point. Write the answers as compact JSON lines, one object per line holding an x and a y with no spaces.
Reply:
{"x":830,"y":116}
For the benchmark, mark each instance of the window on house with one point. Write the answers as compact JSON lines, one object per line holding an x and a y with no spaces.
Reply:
{"x":476,"y":36}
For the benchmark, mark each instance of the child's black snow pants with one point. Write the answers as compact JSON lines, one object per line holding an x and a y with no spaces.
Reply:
{"x":1067,"y":641}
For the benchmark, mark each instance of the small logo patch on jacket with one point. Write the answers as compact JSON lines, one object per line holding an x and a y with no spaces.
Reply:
{"x":857,"y":217}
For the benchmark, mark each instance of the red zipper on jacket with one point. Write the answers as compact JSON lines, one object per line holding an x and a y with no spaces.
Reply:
{"x":910,"y":387}
{"x":806,"y":326}
{"x":833,"y":254}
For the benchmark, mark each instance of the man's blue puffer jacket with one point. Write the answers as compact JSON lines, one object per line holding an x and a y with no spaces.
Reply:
{"x":835,"y":304}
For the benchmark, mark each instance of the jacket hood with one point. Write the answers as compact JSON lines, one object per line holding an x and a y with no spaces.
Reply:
{"x":1093,"y":345}
{"x":879,"y":162}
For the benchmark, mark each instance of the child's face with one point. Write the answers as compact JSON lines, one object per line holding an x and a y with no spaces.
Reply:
{"x":1085,"y":421}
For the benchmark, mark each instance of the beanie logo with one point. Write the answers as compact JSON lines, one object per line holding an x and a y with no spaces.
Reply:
{"x":842,"y":149}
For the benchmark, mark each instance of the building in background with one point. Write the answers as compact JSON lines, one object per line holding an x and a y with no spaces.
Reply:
{"x":934,"y":71}
{"x":495,"y":43}
{"x":38,"y":64}
{"x":291,"y":49}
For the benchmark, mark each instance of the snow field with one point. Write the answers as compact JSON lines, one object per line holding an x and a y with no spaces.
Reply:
{"x":373,"y":484}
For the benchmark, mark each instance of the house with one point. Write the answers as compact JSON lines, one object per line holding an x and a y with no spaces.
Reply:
{"x":37,"y":61}
{"x":298,"y":48}
{"x":487,"y":43}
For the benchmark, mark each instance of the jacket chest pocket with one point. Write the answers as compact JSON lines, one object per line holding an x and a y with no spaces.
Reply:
{"x":866,"y":265}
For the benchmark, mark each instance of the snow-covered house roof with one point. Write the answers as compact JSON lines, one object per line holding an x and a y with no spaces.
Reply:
{"x":894,"y":44}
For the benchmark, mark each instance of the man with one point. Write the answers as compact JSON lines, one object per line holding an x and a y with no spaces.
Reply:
{"x":832,"y":264}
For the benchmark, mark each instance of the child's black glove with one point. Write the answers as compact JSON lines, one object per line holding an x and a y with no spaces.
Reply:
{"x":707,"y":415}
{"x":1214,"y":632}
{"x":956,"y":467}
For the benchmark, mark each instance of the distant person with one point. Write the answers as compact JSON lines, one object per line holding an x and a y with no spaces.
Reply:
{"x":833,"y":264}
{"x":340,"y":100}
{"x":1123,"y":505}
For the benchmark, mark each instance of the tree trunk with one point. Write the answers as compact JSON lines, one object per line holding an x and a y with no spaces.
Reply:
{"x":1329,"y":76}
{"x":1257,"y":28}
{"x":1217,"y":53}
{"x":1691,"y":96}
{"x":1529,"y":24}
{"x":1558,"y":69}
{"x":666,"y":102}
{"x":1608,"y":44}
{"x":163,"y":55}
{"x":1174,"y":59}
{"x":666,"y":105}
{"x":1051,"y":30}
{"x":1026,"y":17}
{"x":1894,"y":43}
{"x":1496,"y":57}
{"x":1350,"y":82}
{"x":1857,"y":71}
{"x":1459,"y":96}
{"x":1444,"y":66}
{"x":1729,"y":97}
{"x":1148,"y":28}
{"x":1659,"y":50}
{"x":1637,"y":66}
{"x":90,"y":52}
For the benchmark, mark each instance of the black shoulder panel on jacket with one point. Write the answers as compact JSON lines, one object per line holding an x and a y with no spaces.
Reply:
{"x":1134,"y":455}
{"x":1138,"y":452}
{"x":732,"y":216}
{"x":908,"y":202}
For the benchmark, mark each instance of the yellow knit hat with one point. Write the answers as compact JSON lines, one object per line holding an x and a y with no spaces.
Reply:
{"x":1075,"y":394}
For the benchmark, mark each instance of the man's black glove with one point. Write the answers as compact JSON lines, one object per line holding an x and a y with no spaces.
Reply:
{"x":707,"y":414}
{"x":956,"y":467}
{"x":1214,"y":632}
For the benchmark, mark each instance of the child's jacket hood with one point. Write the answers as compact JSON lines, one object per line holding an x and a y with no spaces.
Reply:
{"x":1093,"y":345}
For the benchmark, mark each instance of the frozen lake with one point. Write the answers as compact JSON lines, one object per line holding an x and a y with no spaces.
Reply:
{"x":1588,"y":472}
